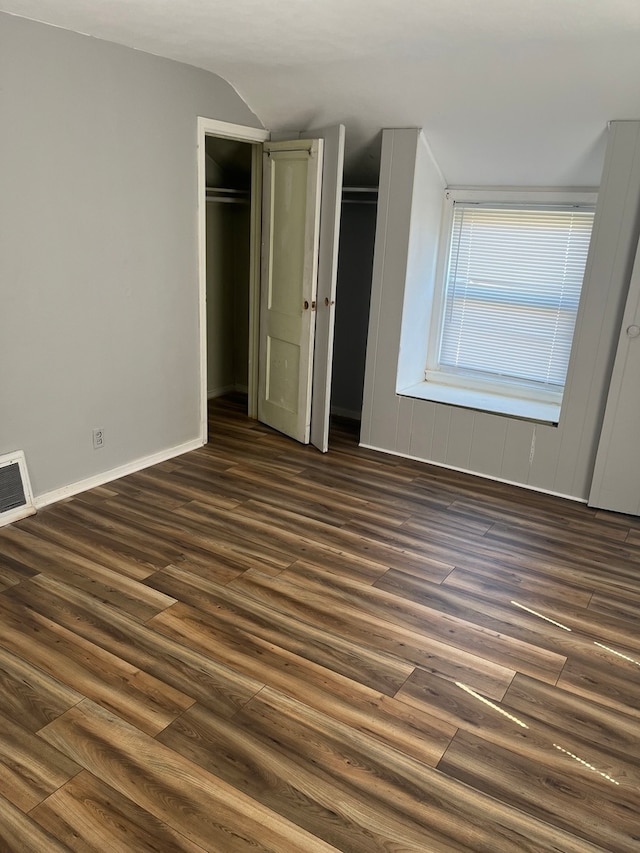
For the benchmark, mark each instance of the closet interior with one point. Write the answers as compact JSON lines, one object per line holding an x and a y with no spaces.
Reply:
{"x":353,"y":295}
{"x":228,"y":197}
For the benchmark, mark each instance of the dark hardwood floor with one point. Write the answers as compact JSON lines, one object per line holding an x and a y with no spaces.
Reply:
{"x":255,"y":647}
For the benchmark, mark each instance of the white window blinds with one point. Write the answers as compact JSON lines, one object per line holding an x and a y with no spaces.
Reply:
{"x":512,"y":291}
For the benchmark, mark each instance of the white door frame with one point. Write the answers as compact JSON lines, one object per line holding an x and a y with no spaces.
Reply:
{"x":241,"y":133}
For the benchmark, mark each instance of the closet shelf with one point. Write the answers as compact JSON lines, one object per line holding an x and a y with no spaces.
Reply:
{"x":360,"y":195}
{"x":227,"y":191}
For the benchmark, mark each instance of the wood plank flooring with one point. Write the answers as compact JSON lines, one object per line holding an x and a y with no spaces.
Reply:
{"x":255,"y":647}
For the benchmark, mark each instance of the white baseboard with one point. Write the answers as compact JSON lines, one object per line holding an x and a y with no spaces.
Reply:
{"x":114,"y":473}
{"x":352,"y":414}
{"x":219,"y":392}
{"x":475,"y":473}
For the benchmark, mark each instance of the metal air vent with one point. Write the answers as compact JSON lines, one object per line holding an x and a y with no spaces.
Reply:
{"x":16,"y":500}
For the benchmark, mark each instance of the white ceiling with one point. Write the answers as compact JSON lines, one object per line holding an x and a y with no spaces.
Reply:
{"x":509,"y":92}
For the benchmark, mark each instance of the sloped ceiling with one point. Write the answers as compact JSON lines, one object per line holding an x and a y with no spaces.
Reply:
{"x":508,"y":92}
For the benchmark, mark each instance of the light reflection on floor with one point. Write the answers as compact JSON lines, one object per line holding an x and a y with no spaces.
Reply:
{"x":540,"y":616}
{"x":619,"y":654}
{"x":586,"y":764}
{"x":480,"y":698}
{"x":522,"y":724}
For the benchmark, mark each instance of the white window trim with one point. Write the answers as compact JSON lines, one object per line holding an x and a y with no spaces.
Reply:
{"x":500,"y":397}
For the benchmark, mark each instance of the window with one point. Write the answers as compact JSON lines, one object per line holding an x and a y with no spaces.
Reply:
{"x":511,"y":267}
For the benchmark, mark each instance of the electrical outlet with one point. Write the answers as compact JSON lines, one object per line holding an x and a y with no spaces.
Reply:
{"x":98,"y":438}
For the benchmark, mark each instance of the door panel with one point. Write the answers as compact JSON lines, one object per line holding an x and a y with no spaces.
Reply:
{"x":291,"y":221}
{"x":333,"y":162}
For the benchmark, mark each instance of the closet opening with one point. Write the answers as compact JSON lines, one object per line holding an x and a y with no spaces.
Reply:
{"x":355,"y":270}
{"x":229,"y":167}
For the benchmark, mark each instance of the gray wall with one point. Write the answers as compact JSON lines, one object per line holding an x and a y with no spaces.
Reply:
{"x":555,"y":459}
{"x":98,"y":266}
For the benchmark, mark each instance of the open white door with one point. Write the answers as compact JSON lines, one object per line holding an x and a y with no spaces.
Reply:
{"x":291,"y":225}
{"x":330,"y":211}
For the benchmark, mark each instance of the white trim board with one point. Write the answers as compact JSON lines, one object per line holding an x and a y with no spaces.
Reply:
{"x":352,"y":414}
{"x":227,"y":389}
{"x":474,"y":473}
{"x":241,"y":132}
{"x":219,"y":392}
{"x":115,"y":473}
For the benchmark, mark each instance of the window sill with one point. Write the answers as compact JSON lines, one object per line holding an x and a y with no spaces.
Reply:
{"x":484,"y":401}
